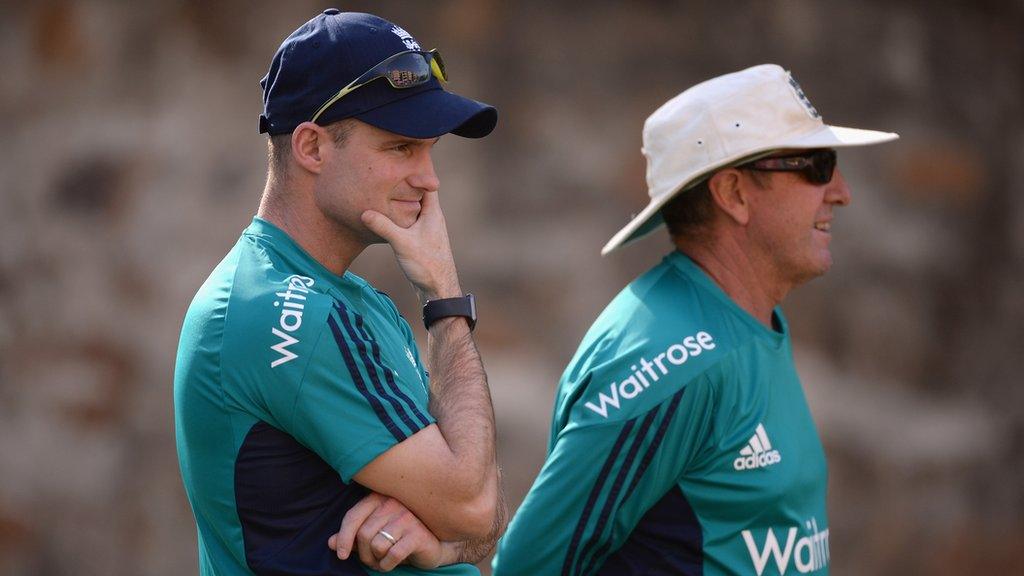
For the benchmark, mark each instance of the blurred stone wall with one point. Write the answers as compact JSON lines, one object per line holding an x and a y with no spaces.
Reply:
{"x":130,"y":162}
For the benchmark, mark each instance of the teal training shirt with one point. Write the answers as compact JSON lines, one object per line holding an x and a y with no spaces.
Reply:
{"x":681,"y":443}
{"x":289,"y":379}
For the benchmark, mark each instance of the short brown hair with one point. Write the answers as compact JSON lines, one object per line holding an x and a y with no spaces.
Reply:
{"x":689,"y":213}
{"x":279,"y":146}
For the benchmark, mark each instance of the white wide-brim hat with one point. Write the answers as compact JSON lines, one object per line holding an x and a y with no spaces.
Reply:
{"x":721,"y":122}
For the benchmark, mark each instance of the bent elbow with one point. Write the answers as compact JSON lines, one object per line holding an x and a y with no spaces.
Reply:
{"x":481,"y":514}
{"x":471,"y":519}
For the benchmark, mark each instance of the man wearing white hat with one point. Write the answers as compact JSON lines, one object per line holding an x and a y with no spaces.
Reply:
{"x":681,"y":441}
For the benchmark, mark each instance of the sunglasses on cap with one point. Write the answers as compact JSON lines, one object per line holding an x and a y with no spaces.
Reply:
{"x":817,"y":166}
{"x":403,"y":70}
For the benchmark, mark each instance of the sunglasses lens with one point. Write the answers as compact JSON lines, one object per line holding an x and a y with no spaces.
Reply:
{"x":437,"y":64}
{"x":406,"y":71}
{"x":403,"y":70}
{"x":823,"y":164}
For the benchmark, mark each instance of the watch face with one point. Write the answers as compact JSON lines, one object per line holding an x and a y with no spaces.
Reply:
{"x":472,"y":311}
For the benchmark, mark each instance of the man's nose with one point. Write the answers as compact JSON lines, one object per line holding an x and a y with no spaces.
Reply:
{"x":424,"y":177}
{"x":838,"y":192}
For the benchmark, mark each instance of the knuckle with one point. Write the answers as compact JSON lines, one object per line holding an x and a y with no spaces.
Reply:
{"x":403,"y":549}
{"x":397,"y":556}
{"x":365,"y":533}
{"x":392,"y":559}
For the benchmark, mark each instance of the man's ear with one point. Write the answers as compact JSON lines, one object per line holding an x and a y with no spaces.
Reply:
{"x":308,"y":140}
{"x":729,"y":194}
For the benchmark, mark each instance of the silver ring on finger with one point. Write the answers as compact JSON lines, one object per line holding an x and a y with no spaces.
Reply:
{"x":388,"y":537}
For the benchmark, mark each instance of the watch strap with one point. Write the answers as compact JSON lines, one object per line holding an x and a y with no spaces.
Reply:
{"x":435,"y":310}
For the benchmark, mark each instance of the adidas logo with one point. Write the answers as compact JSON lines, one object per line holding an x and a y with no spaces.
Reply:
{"x":757,"y":453}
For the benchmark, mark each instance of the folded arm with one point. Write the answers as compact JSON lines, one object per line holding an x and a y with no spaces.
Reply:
{"x":446,"y":474}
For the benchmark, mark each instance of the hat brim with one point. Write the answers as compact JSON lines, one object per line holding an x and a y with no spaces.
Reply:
{"x":433,"y":113}
{"x":839,"y":137}
{"x":649,"y":219}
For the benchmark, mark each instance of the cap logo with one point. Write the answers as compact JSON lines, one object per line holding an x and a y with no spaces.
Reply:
{"x":803,"y":98}
{"x":406,"y":38}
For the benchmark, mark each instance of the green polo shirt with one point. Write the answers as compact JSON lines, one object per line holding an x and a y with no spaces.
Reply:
{"x":289,"y":380}
{"x":681,"y":443}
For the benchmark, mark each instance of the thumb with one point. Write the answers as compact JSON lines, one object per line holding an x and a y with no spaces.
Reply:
{"x":380,"y":224}
{"x":430,"y":202}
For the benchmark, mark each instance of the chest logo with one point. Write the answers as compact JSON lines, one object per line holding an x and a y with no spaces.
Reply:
{"x":758,"y":452}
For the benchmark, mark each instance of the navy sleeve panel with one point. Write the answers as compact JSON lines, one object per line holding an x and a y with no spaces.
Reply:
{"x":289,"y":503}
{"x":667,"y":541}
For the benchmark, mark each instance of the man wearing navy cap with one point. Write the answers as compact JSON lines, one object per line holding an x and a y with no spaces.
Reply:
{"x":300,"y":397}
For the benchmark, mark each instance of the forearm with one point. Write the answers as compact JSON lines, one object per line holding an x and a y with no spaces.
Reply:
{"x":460,"y":400}
{"x":456,"y":492}
{"x":452,"y":464}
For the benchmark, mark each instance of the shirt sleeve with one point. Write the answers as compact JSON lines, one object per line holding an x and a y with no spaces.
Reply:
{"x":597,"y":483}
{"x":414,"y":351}
{"x":353,"y":403}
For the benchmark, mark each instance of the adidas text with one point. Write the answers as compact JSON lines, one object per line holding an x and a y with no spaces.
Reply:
{"x":758,"y":452}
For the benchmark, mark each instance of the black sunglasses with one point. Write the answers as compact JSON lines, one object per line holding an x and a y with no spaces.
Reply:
{"x":817,"y":166}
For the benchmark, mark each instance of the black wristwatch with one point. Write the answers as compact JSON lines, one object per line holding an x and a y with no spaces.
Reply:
{"x":434,"y":310}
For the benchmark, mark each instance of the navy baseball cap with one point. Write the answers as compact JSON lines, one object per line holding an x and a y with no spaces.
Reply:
{"x":334,"y":48}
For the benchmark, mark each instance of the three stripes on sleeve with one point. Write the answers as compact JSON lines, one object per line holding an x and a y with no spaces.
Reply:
{"x":375,"y":381}
{"x":634,"y":448}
